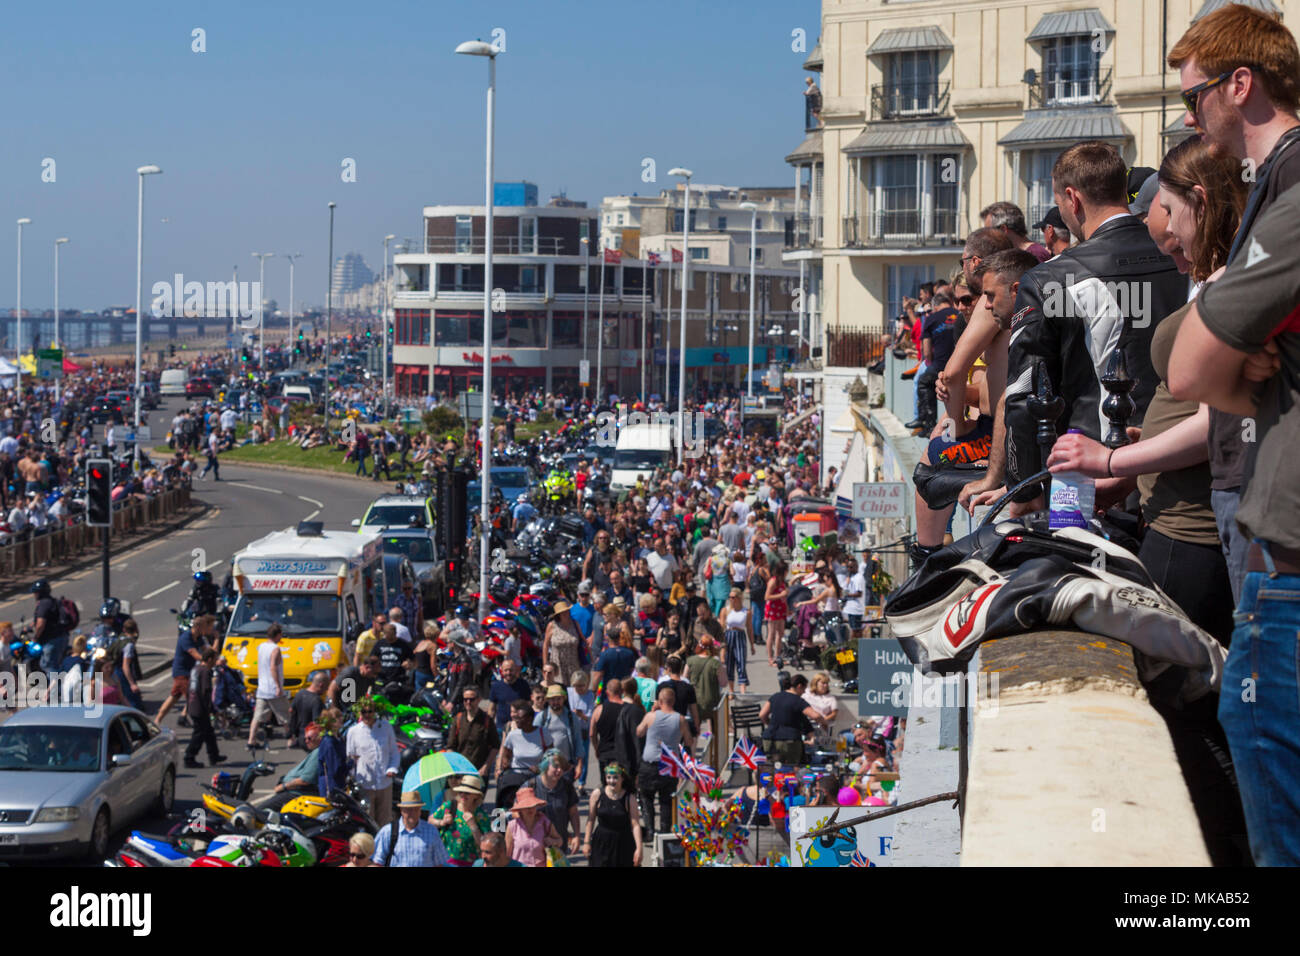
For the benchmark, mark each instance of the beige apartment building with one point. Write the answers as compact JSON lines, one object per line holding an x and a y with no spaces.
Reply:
{"x":932,"y":109}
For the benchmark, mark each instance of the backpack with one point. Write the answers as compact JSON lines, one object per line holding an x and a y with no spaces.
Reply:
{"x":69,"y":616}
{"x":757,"y":587}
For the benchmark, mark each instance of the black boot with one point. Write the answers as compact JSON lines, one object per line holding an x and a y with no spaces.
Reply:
{"x":919,"y":552}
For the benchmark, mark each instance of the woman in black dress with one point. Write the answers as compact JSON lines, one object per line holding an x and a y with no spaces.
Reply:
{"x":617,"y":837}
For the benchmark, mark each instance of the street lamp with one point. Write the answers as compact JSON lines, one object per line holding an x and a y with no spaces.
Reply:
{"x":479,"y":48}
{"x":681,"y":361}
{"x":586,"y":287}
{"x":753,"y":257}
{"x":291,"y":256}
{"x":383,"y":318}
{"x":58,"y":343}
{"x":261,"y":258}
{"x":18,"y":311}
{"x":142,"y":172}
{"x":329,"y":317}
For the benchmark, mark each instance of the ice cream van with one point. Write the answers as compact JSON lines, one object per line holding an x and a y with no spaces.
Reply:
{"x":322,"y":587}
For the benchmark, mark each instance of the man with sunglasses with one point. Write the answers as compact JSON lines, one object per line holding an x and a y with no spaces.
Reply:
{"x":474,"y":734}
{"x":1248,"y":112}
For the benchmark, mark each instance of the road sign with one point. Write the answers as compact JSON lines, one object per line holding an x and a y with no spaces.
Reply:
{"x":144,"y":434}
{"x":470,"y":405}
{"x":881,"y":499}
{"x":49,"y":364}
{"x":884,"y":677}
{"x":584,"y":373}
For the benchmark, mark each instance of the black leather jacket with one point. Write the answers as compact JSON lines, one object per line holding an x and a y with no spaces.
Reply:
{"x":1068,"y":317}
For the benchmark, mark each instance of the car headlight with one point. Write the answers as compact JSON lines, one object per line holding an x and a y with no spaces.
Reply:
{"x":58,"y":815}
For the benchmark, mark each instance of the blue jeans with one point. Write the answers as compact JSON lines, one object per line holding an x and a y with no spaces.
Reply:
{"x":1234,"y":543}
{"x":1259,"y":709}
{"x":52,"y":654}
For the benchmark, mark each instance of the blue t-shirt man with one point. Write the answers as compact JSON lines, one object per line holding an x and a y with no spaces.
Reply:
{"x":940,"y":328}
{"x":184,"y":661}
{"x":616,"y":662}
{"x":523,"y":513}
{"x":501,"y":694}
{"x":583,"y":616}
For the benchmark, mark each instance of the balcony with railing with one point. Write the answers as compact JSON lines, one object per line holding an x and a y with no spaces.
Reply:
{"x":501,"y":246}
{"x":909,"y":100}
{"x":1064,"y":89}
{"x":803,"y":232}
{"x":902,"y":228}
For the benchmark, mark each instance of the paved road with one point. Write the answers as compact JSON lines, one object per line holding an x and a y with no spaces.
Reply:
{"x":244,"y":505}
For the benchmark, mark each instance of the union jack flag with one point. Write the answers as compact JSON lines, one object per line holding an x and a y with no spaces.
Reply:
{"x":859,"y":860}
{"x":705,"y":776}
{"x":687,"y":760}
{"x":670,"y":764}
{"x":747,"y":753}
{"x":652,"y":258}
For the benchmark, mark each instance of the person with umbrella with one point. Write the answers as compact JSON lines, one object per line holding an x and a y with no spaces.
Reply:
{"x":465,"y":821}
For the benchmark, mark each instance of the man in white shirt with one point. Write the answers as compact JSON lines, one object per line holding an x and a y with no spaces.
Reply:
{"x":854,"y":586}
{"x":395,"y":616}
{"x":663,"y":565}
{"x":9,"y":445}
{"x":17,"y":518}
{"x":372,"y":744}
{"x":110,"y":436}
{"x":228,"y":419}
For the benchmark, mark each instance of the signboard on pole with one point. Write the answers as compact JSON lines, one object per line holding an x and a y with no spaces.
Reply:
{"x":49,"y":364}
{"x":584,"y":373}
{"x":884,"y":677}
{"x":470,"y":406}
{"x":879,"y":499}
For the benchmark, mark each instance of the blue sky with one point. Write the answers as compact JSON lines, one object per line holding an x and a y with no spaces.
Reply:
{"x":251,"y":134}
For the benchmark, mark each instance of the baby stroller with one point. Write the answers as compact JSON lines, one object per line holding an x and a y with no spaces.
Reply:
{"x":231,"y":710}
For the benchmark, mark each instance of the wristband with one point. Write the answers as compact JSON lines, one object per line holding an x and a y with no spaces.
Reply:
{"x":1109,"y":473}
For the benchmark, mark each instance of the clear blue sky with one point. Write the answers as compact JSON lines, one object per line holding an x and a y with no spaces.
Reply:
{"x":251,"y":133}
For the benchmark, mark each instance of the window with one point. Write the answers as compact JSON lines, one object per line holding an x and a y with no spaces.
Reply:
{"x":528,"y":235}
{"x":584,"y":229}
{"x":758,"y":222}
{"x":700,"y":252}
{"x":410,"y":326}
{"x":620,"y":219}
{"x":722,"y":223}
{"x":677,"y":220}
{"x":464,"y":234}
{"x":1071,"y":69}
{"x":466,"y":328}
{"x":913,"y":84}
{"x":526,"y":329}
{"x":758,"y":254}
{"x":566,"y":330}
{"x":528,"y":280}
{"x":913,"y":196}
{"x":1038,"y":174}
{"x":904,"y":281}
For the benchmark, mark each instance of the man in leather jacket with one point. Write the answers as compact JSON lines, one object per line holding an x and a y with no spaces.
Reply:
{"x":1113,"y":287}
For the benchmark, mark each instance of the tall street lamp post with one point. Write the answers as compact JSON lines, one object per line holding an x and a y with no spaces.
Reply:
{"x":142,"y":172}
{"x":681,"y":361}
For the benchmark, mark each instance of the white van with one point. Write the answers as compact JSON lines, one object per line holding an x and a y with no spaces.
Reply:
{"x":298,"y":393}
{"x":172,"y":381}
{"x":640,"y":450}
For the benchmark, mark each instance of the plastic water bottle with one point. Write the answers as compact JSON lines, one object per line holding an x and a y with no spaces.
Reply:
{"x":1073,"y":498}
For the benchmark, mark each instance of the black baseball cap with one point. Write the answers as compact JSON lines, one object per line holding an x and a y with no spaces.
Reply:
{"x":1053,"y":219}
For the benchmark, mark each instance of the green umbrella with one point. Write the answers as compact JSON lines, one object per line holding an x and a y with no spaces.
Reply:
{"x":427,"y":775}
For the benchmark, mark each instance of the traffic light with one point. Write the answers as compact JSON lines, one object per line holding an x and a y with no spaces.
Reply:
{"x":171,"y":349}
{"x":244,"y":356}
{"x":99,"y":493}
{"x":367,"y":331}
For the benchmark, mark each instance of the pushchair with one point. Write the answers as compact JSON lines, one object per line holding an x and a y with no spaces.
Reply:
{"x":231,"y":710}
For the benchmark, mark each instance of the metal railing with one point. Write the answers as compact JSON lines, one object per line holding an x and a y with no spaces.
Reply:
{"x":1078,"y":90}
{"x":501,"y":246}
{"x":907,"y":100}
{"x":854,"y":348}
{"x":890,"y":228}
{"x":70,"y":541}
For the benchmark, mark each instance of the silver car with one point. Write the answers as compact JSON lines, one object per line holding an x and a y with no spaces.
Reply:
{"x":70,"y":776}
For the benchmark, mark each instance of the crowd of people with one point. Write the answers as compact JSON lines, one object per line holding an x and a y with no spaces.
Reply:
{"x":1187,"y":271}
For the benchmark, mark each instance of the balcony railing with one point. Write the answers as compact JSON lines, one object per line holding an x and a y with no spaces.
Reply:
{"x":907,"y":100}
{"x":501,"y":246}
{"x":1060,"y":89}
{"x":804,"y":232}
{"x":854,"y":348}
{"x":896,"y":228}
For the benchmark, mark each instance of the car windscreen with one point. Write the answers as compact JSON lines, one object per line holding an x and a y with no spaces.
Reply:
{"x":49,"y":749}
{"x":641,"y":459}
{"x":297,"y":614}
{"x":397,"y":516}
{"x":417,"y":549}
{"x":510,"y":477}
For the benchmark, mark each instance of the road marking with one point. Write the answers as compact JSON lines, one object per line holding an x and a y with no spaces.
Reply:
{"x":164,"y":676}
{"x":209,"y":567}
{"x":312,"y":515}
{"x":165,"y":587}
{"x":274,"y":491}
{"x":147,"y":610}
{"x":311,"y":501}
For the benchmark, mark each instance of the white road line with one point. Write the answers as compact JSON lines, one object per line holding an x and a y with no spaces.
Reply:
{"x":209,"y":567}
{"x":312,"y":515}
{"x":165,"y":587}
{"x":147,"y":610}
{"x":274,"y":491}
{"x":311,"y":501}
{"x":164,"y":676}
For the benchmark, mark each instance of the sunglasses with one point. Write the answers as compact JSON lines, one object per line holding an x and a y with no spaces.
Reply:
{"x":1192,"y":96}
{"x":470,"y":698}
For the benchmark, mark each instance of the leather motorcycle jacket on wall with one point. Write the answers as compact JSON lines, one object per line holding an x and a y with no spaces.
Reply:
{"x":1005,"y":580}
{"x":1071,"y":311}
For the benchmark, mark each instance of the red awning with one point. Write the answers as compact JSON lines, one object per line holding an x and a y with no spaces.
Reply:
{"x":70,"y":366}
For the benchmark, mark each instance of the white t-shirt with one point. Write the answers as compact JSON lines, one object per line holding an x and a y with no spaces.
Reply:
{"x":856,"y":582}
{"x":662,"y":568}
{"x":403,"y":632}
{"x":270,"y":680}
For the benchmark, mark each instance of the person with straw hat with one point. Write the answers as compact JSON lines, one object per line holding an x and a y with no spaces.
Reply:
{"x":465,"y":821}
{"x":409,"y":841}
{"x":560,"y":644}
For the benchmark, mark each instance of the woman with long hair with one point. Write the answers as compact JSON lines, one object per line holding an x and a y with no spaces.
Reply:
{"x":613,"y":836}
{"x":774,"y":609}
{"x":1194,"y":219}
{"x":739,"y":640}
